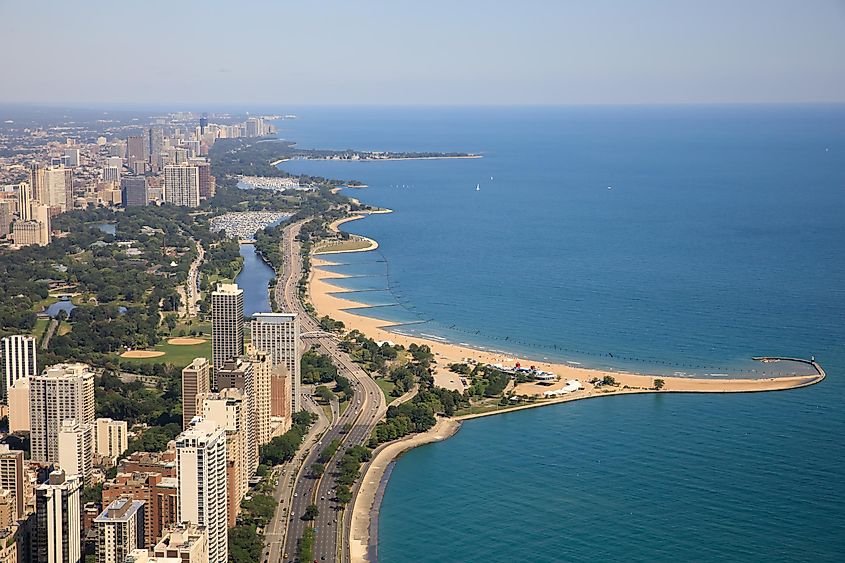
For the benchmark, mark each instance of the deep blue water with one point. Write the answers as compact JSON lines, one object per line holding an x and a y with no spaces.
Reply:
{"x":254,"y":278}
{"x":679,"y":239}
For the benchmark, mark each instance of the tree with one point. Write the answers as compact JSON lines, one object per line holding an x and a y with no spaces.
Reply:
{"x":311,"y":512}
{"x":317,"y":469}
{"x":658,"y":384}
{"x":608,"y":380}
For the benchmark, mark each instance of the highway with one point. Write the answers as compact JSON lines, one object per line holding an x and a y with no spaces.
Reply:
{"x":366,"y":408}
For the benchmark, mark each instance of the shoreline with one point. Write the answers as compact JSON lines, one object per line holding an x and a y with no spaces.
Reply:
{"x":363,"y":540}
{"x":363,"y":537}
{"x":320,"y":290}
{"x":372,"y":481}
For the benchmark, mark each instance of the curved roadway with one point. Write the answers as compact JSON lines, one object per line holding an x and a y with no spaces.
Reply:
{"x":365,"y":409}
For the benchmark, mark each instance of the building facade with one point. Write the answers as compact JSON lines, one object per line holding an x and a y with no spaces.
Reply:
{"x":57,"y":533}
{"x":278,"y":335}
{"x":227,"y":324}
{"x":18,"y":359}
{"x":120,"y":529}
{"x":201,"y":468}
{"x":111,"y":439}
{"x":182,"y":185}
{"x":196,"y":380}
{"x":63,"y":391}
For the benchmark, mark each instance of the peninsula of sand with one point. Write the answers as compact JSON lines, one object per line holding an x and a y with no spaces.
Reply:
{"x":324,"y":296}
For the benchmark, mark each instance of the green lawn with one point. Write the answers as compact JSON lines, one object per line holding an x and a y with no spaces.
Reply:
{"x":179,"y":356}
{"x":387,"y":387}
{"x":39,"y":328}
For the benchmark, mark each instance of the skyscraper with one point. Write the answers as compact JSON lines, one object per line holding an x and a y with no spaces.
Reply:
{"x":63,"y":391}
{"x":57,"y":535}
{"x":228,"y":409}
{"x":58,"y":188}
{"x":227,"y":323}
{"x":5,"y":217}
{"x":156,"y":139}
{"x":24,"y":201}
{"x":37,"y":181}
{"x":120,"y":529}
{"x":133,"y":191}
{"x":136,"y":150}
{"x":195,"y":381}
{"x":181,"y":185}
{"x":12,"y":476}
{"x":201,"y":471}
{"x":206,"y":180}
{"x":76,"y":448}
{"x":278,"y":335}
{"x":17,"y":360}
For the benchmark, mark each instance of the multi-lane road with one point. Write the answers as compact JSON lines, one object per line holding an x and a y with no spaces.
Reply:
{"x":366,"y":408}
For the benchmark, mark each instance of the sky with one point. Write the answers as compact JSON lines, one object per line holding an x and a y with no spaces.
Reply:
{"x":422,"y":52}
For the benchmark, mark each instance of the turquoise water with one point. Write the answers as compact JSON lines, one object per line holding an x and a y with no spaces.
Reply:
{"x":679,"y":240}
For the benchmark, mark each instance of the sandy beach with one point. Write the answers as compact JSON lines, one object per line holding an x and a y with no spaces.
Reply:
{"x":362,"y":510}
{"x":446,"y":353}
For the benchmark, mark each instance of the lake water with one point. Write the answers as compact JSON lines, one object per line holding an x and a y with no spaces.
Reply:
{"x":670,"y":239}
{"x":254,"y":278}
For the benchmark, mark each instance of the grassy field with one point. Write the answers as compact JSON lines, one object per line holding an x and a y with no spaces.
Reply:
{"x":345,"y":246}
{"x":179,"y":356}
{"x":39,"y":328}
{"x":387,"y":388}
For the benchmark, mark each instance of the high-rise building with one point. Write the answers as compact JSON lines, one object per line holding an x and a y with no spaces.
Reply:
{"x":5,"y":218}
{"x":156,"y":140}
{"x":136,"y":150}
{"x":201,"y":457}
{"x":37,"y":182}
{"x":76,"y":449}
{"x":120,"y":529}
{"x":228,"y":409}
{"x":195,"y":381}
{"x":260,"y":400}
{"x":62,"y":392}
{"x":133,"y":191}
{"x":57,"y":533}
{"x":72,"y":155}
{"x":278,"y":335}
{"x":207,"y":183}
{"x":18,"y":398}
{"x":182,"y":185}
{"x":158,"y":493}
{"x":58,"y":188}
{"x":280,"y":396}
{"x":17,"y":360}
{"x":227,"y":323}
{"x":12,"y":477}
{"x":28,"y":233}
{"x":25,"y":201}
{"x":112,"y":174}
{"x":238,"y":373}
{"x":111,"y":439}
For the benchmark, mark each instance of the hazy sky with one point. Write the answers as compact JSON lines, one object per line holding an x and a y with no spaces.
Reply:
{"x":293,"y":52}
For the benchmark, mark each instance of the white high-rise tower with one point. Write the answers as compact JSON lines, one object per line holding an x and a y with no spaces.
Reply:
{"x":277,"y":334}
